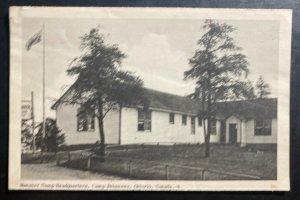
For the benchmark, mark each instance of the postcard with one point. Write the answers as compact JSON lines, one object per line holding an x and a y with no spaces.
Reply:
{"x":149,"y":99}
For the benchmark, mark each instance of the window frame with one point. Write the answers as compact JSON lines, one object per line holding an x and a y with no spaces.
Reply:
{"x":265,"y":129}
{"x":213,"y":126}
{"x":89,"y":121}
{"x":145,"y":120}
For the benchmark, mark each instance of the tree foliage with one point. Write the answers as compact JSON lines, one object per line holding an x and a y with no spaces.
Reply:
{"x":53,"y":138}
{"x":26,"y":134}
{"x":219,"y":70}
{"x":101,"y":85}
{"x":262,"y":88}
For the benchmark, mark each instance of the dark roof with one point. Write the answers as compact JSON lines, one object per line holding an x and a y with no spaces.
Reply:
{"x":256,"y":108}
{"x":158,"y":100}
{"x":171,"y":102}
{"x":249,"y":109}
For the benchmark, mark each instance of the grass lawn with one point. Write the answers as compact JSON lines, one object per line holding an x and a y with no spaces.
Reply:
{"x":223,"y":158}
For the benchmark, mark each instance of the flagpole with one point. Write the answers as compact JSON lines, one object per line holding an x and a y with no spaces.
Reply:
{"x":32,"y":118}
{"x":44,"y":122}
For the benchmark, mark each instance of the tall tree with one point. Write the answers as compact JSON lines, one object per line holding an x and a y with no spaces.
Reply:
{"x":101,"y":85}
{"x":218,"y":69}
{"x":262,"y":88}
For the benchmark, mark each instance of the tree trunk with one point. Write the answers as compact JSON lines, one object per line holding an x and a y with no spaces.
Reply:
{"x":102,"y":137}
{"x":120,"y":124}
{"x":204,"y":123}
{"x":207,"y":146}
{"x":207,"y":138}
{"x":101,"y":131}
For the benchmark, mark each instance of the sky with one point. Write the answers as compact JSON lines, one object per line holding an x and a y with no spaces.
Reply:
{"x":157,"y":50}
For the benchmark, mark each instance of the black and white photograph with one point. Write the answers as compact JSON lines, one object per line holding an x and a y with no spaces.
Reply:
{"x":149,"y":99}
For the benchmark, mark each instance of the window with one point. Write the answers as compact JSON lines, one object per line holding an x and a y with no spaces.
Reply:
{"x":213,"y":127}
{"x":172,"y":118}
{"x":184,"y":118}
{"x":263,"y":127}
{"x":144,"y":120}
{"x":85,"y":121}
{"x":199,"y":121}
{"x":193,"y":128}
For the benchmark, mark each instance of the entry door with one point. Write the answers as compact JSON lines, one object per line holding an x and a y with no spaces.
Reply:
{"x":232,"y":133}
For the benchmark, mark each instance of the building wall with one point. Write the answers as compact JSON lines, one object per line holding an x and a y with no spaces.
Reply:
{"x":66,"y":117}
{"x":161,"y":130}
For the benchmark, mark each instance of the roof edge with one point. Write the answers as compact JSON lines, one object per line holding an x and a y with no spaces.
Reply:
{"x":54,"y":106}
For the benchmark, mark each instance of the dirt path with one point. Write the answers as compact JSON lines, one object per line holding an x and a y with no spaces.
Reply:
{"x":53,"y":172}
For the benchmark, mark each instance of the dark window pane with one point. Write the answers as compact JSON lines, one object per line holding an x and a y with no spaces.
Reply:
{"x":184,"y":119}
{"x":199,"y":121}
{"x":213,"y":127}
{"x":172,"y":118}
{"x":141,"y":126}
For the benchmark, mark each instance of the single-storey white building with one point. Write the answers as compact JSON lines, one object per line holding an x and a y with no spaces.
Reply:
{"x":172,"y":119}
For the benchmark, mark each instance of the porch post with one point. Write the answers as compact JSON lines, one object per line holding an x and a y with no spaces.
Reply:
{"x":243,"y":133}
{"x":227,"y":133}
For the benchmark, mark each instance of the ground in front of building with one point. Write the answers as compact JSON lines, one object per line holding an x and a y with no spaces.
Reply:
{"x":50,"y":171}
{"x":225,"y":158}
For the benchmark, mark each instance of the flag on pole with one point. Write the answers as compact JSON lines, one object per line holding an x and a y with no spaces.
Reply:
{"x":33,"y":40}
